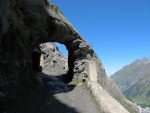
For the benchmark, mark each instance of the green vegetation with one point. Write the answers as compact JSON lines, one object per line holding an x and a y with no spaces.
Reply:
{"x":78,"y":82}
{"x":143,"y":102}
{"x":134,"y":81}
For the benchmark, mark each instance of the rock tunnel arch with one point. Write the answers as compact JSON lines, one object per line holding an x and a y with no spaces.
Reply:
{"x":79,"y":52}
{"x":59,"y":29}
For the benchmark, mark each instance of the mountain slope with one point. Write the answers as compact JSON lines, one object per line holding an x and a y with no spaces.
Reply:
{"x":134,"y":81}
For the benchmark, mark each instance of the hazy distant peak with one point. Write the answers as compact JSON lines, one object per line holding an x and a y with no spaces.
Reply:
{"x":146,"y":60}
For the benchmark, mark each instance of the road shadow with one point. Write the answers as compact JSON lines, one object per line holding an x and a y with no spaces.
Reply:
{"x":42,"y":100}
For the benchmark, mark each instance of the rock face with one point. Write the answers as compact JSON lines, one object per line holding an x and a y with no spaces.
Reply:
{"x":24,"y":25}
{"x":53,"y":61}
{"x":134,"y":81}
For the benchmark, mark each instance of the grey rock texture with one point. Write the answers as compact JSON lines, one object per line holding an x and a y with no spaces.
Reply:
{"x":53,"y":61}
{"x":24,"y":25}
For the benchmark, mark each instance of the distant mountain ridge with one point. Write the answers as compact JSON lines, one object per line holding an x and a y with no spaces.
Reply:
{"x":134,"y":81}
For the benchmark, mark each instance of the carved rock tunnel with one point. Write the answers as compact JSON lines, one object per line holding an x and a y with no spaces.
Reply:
{"x":78,"y":53}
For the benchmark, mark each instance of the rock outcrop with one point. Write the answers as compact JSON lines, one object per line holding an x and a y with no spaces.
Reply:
{"x":52,"y":60}
{"x":24,"y":25}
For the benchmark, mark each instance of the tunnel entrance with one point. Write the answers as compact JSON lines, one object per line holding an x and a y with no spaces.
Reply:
{"x":70,"y":68}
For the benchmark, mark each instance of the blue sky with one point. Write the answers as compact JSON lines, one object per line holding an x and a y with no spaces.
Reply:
{"x":119,"y":30}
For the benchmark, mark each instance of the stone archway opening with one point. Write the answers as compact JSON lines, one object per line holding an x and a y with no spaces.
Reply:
{"x":79,"y":53}
{"x":52,"y":59}
{"x":62,"y":48}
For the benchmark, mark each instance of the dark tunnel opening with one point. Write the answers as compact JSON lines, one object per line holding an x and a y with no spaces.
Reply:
{"x":36,"y":55}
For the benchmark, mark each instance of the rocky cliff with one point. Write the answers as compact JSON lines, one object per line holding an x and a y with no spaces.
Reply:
{"x":24,"y":25}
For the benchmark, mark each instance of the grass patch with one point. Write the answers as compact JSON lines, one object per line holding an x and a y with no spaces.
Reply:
{"x":143,"y":102}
